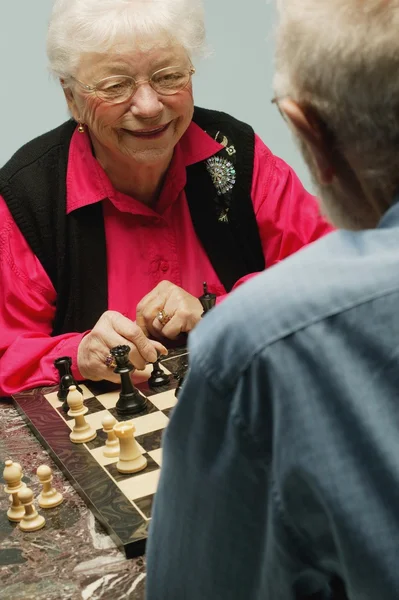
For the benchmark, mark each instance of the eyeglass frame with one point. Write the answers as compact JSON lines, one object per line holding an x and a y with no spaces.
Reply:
{"x":93,"y":89}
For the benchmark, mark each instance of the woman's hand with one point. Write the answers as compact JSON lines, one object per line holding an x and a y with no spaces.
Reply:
{"x":113,"y":329}
{"x":168,"y":310}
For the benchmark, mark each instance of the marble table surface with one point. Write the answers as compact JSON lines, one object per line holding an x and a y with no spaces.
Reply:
{"x":71,"y":558}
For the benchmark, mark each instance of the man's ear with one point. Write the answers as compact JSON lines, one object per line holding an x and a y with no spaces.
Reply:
{"x":73,"y":109}
{"x":309,"y":128}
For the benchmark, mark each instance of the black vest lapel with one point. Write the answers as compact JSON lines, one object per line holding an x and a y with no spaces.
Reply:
{"x":217,"y":237}
{"x":232,"y":243}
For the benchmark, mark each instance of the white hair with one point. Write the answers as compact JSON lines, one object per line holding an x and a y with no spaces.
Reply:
{"x":81,"y":26}
{"x":341,"y":57}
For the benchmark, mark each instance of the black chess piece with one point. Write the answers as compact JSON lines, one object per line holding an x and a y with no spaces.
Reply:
{"x":130,"y":400}
{"x":179,"y":385}
{"x":179,"y":376}
{"x":63,"y":366}
{"x":207,"y":300}
{"x":66,"y":381}
{"x":158,"y":377}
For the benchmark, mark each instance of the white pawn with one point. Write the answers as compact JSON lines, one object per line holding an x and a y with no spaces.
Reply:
{"x":23,"y":484}
{"x":130,"y":458}
{"x":12,"y":476}
{"x":82,"y":432}
{"x":111,"y":448}
{"x":31,"y":521}
{"x":49,"y":497}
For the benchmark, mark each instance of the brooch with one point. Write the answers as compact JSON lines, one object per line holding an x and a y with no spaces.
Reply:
{"x":223,"y":174}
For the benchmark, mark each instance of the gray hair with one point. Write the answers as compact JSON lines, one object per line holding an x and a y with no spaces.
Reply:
{"x":342,"y":58}
{"x":81,"y":26}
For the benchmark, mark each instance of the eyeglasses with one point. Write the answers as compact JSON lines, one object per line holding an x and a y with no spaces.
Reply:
{"x":121,"y":88}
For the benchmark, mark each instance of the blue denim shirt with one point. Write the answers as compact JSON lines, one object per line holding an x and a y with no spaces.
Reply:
{"x":281,"y":460}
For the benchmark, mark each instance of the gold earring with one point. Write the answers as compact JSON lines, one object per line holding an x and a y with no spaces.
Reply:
{"x":81,"y":128}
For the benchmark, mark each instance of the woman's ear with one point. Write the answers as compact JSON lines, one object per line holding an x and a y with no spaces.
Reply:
{"x":73,"y":108}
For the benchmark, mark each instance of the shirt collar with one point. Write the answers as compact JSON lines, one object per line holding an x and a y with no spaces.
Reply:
{"x":391,"y":217}
{"x":88,"y":183}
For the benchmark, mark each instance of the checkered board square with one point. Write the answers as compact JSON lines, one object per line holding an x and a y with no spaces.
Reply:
{"x":122,"y":502}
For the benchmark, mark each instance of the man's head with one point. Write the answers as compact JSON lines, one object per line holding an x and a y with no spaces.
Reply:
{"x":337,"y":83}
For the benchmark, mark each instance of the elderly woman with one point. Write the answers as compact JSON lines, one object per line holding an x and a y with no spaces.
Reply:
{"x":110,"y":223}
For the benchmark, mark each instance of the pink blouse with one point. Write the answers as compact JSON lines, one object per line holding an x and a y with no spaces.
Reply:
{"x":144,"y":247}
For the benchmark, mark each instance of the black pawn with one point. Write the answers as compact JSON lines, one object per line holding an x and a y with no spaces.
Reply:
{"x":130,"y":400}
{"x":158,"y":377}
{"x":63,"y":366}
{"x":207,"y":300}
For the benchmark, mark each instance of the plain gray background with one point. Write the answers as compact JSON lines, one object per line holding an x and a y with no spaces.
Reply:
{"x":236,"y":78}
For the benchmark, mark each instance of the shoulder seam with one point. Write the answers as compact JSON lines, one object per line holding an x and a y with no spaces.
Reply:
{"x":292,"y":331}
{"x":28,"y":164}
{"x":33,"y":150}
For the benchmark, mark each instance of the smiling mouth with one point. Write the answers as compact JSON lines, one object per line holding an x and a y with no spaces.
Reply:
{"x":154,"y":132}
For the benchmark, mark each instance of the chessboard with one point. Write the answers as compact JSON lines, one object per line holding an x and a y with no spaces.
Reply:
{"x":121,"y":502}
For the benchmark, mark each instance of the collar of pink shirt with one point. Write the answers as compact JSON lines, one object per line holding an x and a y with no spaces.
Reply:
{"x":87,"y":182}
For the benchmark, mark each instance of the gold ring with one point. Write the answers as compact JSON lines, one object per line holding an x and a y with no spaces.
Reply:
{"x":110,"y":362}
{"x":163,"y":317}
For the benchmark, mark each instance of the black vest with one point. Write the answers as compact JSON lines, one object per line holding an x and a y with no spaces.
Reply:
{"x":71,"y":248}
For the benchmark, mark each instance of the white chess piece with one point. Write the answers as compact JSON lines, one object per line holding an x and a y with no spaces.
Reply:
{"x":130,"y":458}
{"x":82,"y":432}
{"x":111,"y":448}
{"x":31,"y":521}
{"x":49,"y":497}
{"x":23,"y":484}
{"x":12,"y":476}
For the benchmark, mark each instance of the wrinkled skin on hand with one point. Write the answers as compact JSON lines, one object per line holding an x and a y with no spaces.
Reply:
{"x":182,"y":309}
{"x":113,"y":329}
